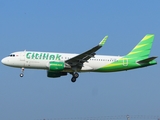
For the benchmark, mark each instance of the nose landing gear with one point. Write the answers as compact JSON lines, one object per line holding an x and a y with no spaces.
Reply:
{"x":22,"y":71}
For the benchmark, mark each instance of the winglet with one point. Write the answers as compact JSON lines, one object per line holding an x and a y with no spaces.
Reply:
{"x":103,"y":41}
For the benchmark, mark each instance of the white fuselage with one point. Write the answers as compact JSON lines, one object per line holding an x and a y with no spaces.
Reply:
{"x":40,"y":60}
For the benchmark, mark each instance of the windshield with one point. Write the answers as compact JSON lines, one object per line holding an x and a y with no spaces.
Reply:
{"x":12,"y":55}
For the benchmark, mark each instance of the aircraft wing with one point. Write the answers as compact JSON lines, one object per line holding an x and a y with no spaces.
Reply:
{"x":78,"y":60}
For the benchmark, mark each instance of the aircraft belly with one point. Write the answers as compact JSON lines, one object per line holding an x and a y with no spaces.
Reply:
{"x":85,"y":67}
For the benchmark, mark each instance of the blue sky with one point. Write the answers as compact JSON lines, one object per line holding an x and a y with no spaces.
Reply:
{"x":75,"y":26}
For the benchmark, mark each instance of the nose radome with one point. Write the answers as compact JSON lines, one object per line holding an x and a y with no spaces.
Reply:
{"x":4,"y":61}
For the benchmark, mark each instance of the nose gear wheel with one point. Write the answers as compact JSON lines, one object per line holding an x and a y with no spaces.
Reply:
{"x":22,"y":71}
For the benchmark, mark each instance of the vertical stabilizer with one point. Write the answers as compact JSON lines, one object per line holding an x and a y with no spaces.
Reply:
{"x":143,"y":48}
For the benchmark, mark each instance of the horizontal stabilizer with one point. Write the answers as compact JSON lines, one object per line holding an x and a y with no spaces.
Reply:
{"x":147,"y":60}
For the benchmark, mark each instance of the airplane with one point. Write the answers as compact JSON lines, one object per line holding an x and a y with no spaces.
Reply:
{"x":60,"y":64}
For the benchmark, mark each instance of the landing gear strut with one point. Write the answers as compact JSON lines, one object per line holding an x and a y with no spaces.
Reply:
{"x":74,"y":76}
{"x":22,"y":71}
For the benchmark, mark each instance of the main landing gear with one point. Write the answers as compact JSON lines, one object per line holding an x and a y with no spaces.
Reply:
{"x":22,"y":71}
{"x":74,"y":76}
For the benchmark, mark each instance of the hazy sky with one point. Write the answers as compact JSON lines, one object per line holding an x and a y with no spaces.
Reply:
{"x":76,"y":26}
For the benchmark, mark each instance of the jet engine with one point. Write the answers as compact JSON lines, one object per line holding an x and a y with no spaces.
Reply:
{"x":57,"y":66}
{"x":52,"y":74}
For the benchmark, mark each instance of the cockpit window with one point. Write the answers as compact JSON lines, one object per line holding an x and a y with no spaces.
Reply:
{"x":12,"y":55}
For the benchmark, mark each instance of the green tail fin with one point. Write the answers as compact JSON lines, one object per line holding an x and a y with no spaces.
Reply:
{"x":143,"y":48}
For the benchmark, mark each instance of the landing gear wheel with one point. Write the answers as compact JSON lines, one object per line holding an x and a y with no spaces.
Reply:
{"x":73,"y":79}
{"x":21,"y":75}
{"x":76,"y":75}
{"x":22,"y":71}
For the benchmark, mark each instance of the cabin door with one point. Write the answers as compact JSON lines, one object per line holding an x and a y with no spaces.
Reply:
{"x":22,"y":56}
{"x":125,"y":61}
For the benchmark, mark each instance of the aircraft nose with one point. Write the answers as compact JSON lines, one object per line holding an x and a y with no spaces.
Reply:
{"x":4,"y":61}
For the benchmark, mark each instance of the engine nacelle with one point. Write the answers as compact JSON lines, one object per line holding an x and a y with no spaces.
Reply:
{"x":55,"y":74}
{"x":56,"y":66}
